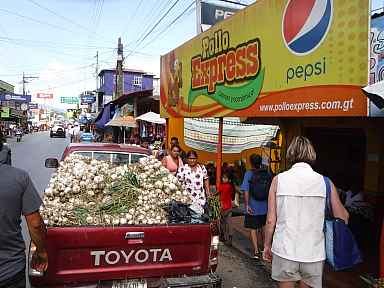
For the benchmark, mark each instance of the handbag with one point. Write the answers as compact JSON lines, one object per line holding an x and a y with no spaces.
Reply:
{"x":341,"y":248}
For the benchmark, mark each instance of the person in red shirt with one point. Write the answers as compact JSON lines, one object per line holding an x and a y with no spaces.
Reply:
{"x":226,"y":191}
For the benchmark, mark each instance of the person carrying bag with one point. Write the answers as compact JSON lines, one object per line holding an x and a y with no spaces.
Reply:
{"x":341,"y":248}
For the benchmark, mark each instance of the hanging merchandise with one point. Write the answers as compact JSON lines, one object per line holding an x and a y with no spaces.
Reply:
{"x":202,"y":134}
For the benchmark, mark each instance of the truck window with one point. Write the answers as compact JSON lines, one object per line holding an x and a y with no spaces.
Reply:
{"x":102,"y":156}
{"x":135,"y":157}
{"x":120,"y":158}
{"x":83,"y":153}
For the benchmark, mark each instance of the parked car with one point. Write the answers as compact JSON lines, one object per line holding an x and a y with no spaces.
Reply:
{"x":58,"y":131}
{"x":140,"y":256}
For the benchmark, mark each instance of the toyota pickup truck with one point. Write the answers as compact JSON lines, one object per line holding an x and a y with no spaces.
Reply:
{"x":173,"y":255}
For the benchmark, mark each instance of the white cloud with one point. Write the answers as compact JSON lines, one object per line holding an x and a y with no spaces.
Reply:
{"x":62,"y":79}
{"x":147,"y":64}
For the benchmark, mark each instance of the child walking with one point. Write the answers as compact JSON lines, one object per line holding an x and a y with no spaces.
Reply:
{"x":226,"y":191}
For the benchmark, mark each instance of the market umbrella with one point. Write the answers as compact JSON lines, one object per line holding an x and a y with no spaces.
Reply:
{"x":124,"y":121}
{"x":375,"y":93}
{"x":152,"y":118}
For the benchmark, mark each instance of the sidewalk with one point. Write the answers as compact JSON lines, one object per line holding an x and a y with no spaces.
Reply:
{"x":241,"y":242}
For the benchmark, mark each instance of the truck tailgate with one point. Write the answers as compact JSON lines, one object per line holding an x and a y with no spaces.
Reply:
{"x":84,"y":254}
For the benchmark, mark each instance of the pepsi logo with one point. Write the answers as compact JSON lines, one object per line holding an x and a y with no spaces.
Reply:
{"x":306,"y":24}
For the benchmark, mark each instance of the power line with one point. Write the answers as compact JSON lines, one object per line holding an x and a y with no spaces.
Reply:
{"x":186,"y":12}
{"x":47,"y":49}
{"x":35,"y":20}
{"x":158,"y":22}
{"x":149,"y":16}
{"x":59,"y":71}
{"x":98,"y":17}
{"x":58,"y":15}
{"x":66,"y":84}
{"x":132,"y":15}
{"x":56,"y":44}
{"x":233,"y":2}
{"x":154,"y":26}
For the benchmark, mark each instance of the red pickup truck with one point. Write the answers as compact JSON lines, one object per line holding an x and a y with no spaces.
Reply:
{"x":174,"y":255}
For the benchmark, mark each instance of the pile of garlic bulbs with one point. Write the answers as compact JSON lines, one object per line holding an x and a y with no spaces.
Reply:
{"x":92,"y":192}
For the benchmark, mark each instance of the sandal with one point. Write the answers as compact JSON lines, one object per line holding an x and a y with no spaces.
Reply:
{"x":256,"y":256}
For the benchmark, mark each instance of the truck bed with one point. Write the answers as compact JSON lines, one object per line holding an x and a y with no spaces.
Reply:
{"x":95,"y":254}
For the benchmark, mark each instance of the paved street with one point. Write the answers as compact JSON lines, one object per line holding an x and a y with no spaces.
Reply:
{"x":31,"y":153}
{"x":236,"y":269}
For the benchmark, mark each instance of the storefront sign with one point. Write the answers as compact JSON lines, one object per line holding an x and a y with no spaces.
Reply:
{"x":292,"y":58}
{"x":33,"y":106}
{"x":377,"y":48}
{"x":5,"y":112}
{"x":69,"y":100}
{"x":15,"y":97}
{"x":87,"y":99}
{"x":212,"y":14}
{"x":376,"y":57}
{"x":44,"y":95}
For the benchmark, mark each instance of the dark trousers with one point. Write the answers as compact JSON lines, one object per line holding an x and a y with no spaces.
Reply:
{"x":17,"y":281}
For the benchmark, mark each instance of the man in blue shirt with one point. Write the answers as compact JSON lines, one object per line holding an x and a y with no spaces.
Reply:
{"x":256,"y":210}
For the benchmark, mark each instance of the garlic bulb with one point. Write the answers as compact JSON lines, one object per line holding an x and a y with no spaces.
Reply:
{"x":90,"y":192}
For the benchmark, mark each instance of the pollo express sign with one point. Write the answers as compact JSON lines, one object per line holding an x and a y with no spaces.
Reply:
{"x":257,"y":64}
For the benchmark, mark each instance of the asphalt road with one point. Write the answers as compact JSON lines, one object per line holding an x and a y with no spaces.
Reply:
{"x":236,"y":269}
{"x":31,"y":153}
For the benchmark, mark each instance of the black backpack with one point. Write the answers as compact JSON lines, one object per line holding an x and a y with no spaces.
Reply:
{"x":259,"y":184}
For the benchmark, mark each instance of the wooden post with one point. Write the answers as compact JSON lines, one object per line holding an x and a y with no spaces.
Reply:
{"x":381,"y":272}
{"x":219,"y":158}
{"x":166,"y":134}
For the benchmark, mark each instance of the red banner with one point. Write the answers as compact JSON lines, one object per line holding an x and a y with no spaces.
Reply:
{"x":44,"y":95}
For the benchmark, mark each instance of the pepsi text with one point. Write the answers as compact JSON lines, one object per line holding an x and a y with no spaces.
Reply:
{"x":307,"y":71}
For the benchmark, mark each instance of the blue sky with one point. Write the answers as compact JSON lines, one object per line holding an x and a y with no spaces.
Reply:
{"x":57,"y":40}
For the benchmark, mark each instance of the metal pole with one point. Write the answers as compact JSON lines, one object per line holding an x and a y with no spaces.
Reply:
{"x":97,"y":82}
{"x":219,"y":158}
{"x":23,"y":84}
{"x":198,"y":17}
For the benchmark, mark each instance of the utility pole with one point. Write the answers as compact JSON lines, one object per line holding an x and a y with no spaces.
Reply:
{"x":198,"y":17}
{"x":25,"y":78}
{"x":119,"y":84}
{"x":97,"y":82}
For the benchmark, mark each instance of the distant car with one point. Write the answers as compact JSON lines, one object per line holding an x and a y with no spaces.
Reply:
{"x":57,"y":131}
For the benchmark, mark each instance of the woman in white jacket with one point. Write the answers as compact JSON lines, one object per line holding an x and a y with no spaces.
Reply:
{"x":295,"y":219}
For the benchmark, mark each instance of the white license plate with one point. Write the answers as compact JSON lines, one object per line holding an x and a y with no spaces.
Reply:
{"x":129,"y":284}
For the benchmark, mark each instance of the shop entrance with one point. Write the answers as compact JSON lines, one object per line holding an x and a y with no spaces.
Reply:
{"x":340,"y":155}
